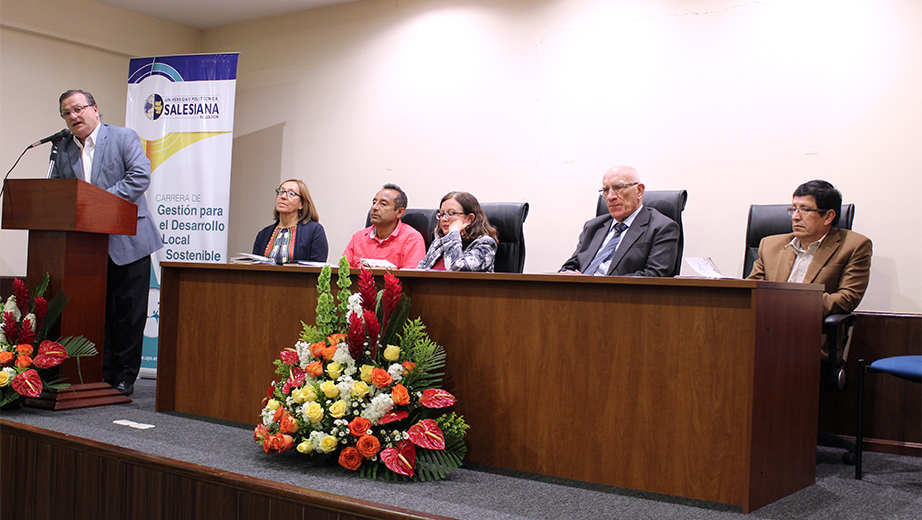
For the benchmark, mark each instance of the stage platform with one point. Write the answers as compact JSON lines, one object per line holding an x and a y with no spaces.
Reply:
{"x":190,"y":468}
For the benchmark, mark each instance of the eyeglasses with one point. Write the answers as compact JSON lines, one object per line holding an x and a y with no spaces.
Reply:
{"x":804,"y":211}
{"x":290,"y":194}
{"x":76,"y":111}
{"x":617,"y":188}
{"x":450,"y":215}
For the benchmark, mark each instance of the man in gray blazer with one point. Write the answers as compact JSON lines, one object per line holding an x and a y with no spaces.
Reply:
{"x":111,"y":157}
{"x":632,"y":240}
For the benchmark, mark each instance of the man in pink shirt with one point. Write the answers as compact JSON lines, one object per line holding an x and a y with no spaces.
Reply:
{"x":387,"y":238}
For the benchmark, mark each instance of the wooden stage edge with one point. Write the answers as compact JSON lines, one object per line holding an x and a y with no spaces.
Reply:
{"x":140,"y":485}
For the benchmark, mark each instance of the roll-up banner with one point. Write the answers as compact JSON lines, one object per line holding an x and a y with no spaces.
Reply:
{"x":183,"y":109}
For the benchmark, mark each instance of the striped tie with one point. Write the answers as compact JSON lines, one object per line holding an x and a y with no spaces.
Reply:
{"x":606,"y":252}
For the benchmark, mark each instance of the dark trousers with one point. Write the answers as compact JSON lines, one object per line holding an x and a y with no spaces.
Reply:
{"x":127,"y":288}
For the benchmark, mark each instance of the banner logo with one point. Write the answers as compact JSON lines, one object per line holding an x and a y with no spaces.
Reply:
{"x":153,"y":107}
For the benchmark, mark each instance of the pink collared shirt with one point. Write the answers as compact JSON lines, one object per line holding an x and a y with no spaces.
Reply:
{"x":404,"y":247}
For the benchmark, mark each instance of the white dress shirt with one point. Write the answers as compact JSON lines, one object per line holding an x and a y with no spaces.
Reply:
{"x":87,"y":151}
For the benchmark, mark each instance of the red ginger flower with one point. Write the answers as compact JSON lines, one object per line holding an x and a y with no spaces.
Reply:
{"x":26,"y":334}
{"x":41,"y":310}
{"x":367,"y":289}
{"x":372,"y":328}
{"x":392,"y":294}
{"x":10,"y":330}
{"x":21,"y":294}
{"x":356,"y":337}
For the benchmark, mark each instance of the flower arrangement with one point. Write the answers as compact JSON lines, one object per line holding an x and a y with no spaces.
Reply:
{"x":362,"y":387}
{"x":25,"y":355}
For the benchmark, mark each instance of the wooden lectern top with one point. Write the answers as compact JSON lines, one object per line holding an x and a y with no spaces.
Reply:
{"x":66,"y":205}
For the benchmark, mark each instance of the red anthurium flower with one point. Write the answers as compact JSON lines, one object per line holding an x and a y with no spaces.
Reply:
{"x":402,"y":459}
{"x":297,"y":376}
{"x":393,"y":416}
{"x":437,"y":398}
{"x":50,"y":354}
{"x":427,"y":434}
{"x":289,"y":356}
{"x":28,"y":383}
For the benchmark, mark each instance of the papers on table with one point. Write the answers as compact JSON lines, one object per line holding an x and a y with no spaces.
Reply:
{"x":706,"y":267}
{"x":377,"y":263}
{"x":248,"y":258}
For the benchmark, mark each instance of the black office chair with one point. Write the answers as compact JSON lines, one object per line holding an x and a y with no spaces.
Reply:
{"x":509,"y":219}
{"x":773,"y":219}
{"x":904,"y":367}
{"x":422,"y":220}
{"x":668,"y":202}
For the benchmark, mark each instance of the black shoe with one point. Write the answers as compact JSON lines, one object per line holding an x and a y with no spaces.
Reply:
{"x":124,"y":388}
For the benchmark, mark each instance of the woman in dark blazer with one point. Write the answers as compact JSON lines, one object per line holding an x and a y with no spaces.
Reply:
{"x":297,"y":233}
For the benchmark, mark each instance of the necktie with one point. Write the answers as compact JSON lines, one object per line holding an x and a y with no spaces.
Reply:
{"x":605,"y":253}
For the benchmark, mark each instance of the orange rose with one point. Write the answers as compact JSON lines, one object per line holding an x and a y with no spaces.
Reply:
{"x":314,"y":369}
{"x":350,"y":458}
{"x":6,"y":358}
{"x":260,"y":432}
{"x":335,"y":339}
{"x":368,"y":446}
{"x":23,"y":361}
{"x":328,"y":353}
{"x":359,"y":426}
{"x":380,"y":377}
{"x":288,"y":424}
{"x":317,"y":348}
{"x":24,"y":350}
{"x":279,"y":414}
{"x":278,"y":442}
{"x":400,"y":396}
{"x":408,"y":366}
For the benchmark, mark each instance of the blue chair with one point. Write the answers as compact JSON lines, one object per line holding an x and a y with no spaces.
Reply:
{"x":904,"y":367}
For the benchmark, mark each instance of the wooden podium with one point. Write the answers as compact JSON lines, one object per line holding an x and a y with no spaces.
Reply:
{"x":69,"y":223}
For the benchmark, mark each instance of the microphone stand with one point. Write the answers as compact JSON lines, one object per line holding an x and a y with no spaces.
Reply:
{"x":52,"y":158}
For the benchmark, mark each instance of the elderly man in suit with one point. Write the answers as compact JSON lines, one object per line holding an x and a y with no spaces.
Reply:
{"x":817,"y":251}
{"x":632,"y":240}
{"x":111,"y":157}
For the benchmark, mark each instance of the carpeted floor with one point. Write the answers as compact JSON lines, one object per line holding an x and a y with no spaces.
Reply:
{"x":892,"y":486}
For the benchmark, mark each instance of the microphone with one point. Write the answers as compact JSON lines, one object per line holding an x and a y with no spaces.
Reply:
{"x":56,"y":138}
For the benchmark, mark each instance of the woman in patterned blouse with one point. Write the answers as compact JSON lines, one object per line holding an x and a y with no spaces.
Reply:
{"x":464,"y":238}
{"x":297,"y":233}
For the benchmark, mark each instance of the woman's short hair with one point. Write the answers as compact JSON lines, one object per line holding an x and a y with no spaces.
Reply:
{"x":481,"y":224}
{"x":309,"y":211}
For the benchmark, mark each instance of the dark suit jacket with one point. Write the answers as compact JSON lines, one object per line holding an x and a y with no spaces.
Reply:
{"x":648,"y":248}
{"x":120,"y":167}
{"x":310,"y":242}
{"x":842,"y":264}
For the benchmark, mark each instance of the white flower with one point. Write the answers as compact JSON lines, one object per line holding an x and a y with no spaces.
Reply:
{"x":354,"y":305}
{"x":304,"y":353}
{"x":31,"y":319}
{"x":345,"y":387}
{"x":345,"y":360}
{"x":396,"y":372}
{"x":10,"y":306}
{"x":379,"y":406}
{"x":315,"y":438}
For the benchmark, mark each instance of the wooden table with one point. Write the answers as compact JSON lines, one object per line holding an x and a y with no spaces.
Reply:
{"x":706,"y":389}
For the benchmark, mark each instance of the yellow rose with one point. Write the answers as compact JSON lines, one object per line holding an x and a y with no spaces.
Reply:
{"x":366,"y":373}
{"x":314,"y":412}
{"x":334,"y":370}
{"x":328,"y":443}
{"x":309,"y":393}
{"x":272,"y":404}
{"x":338,"y":409}
{"x":329,"y":389}
{"x":392,"y":353}
{"x":5,"y":378}
{"x":297,"y":395}
{"x":360,"y":389}
{"x":305,"y":447}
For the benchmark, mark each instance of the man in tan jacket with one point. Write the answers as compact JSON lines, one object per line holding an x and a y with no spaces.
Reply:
{"x":818,"y":252}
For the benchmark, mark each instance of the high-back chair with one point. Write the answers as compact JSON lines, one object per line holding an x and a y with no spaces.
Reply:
{"x":668,"y":202}
{"x":420,"y":219}
{"x":773,"y":219}
{"x":903,"y":367}
{"x":509,"y":219}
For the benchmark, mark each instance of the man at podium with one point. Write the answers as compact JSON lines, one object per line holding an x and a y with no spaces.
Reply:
{"x":111,"y":157}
